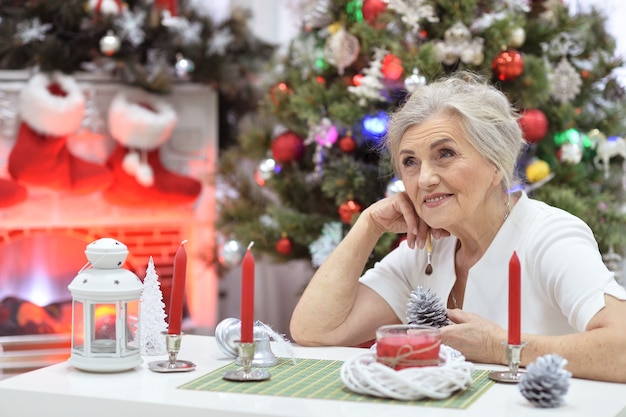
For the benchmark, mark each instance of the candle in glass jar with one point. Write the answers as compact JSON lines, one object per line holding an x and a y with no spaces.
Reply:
{"x":514,"y":300}
{"x":247,"y":296}
{"x":406,"y":346}
{"x":177,"y":297}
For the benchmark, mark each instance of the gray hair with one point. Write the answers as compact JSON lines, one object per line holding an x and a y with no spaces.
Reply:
{"x":483,"y":111}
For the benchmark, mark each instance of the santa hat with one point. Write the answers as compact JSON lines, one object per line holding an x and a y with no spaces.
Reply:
{"x":52,"y":104}
{"x":140,"y":120}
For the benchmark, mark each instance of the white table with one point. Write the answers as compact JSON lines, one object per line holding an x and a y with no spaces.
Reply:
{"x":61,"y":390}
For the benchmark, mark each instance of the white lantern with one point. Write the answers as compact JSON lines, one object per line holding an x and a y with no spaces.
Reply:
{"x":105,"y":311}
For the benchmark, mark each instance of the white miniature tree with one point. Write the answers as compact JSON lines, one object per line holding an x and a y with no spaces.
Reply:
{"x":152,"y":314}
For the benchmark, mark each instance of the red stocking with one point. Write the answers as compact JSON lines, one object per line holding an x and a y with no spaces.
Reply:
{"x":11,"y":193}
{"x":168,"y":188}
{"x":52,"y":108}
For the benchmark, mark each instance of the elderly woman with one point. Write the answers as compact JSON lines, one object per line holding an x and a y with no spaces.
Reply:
{"x":454,"y":144}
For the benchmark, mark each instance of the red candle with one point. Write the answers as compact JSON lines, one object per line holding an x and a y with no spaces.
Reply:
{"x":247,"y":296}
{"x":514,"y":300}
{"x":177,"y":297}
{"x":402,"y":347}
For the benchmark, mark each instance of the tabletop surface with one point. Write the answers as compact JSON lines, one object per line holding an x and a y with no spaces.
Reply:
{"x":61,"y":390}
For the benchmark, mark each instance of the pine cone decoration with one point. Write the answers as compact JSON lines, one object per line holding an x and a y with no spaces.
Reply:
{"x":424,"y":307}
{"x":546,"y":381}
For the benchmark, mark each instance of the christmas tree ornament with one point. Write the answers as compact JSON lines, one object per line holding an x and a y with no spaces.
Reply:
{"x":570,"y":153}
{"x":518,"y":37}
{"x":413,"y":12}
{"x":316,"y":14}
{"x":537,"y":170}
{"x":51,"y":108}
{"x":348,"y":210}
{"x":546,"y":381}
{"x":264,"y":171}
{"x":105,"y":311}
{"x":341,"y":49}
{"x":392,"y":67}
{"x":231,"y":253}
{"x":425,"y":308}
{"x":354,"y":10}
{"x":152,"y":314}
{"x":372,"y":9}
{"x":414,"y":81}
{"x":287,"y":147}
{"x":110,"y":44}
{"x":130,"y":26}
{"x":325,"y":133}
{"x":347,"y":144}
{"x":369,"y":86}
{"x":565,"y":82}
{"x":141,"y":123}
{"x":395,"y":186}
{"x":534,"y":125}
{"x":106,"y":7}
{"x":183,"y":68}
{"x":606,"y":148}
{"x":458,"y":44}
{"x":284,"y":246}
{"x":375,"y":125}
{"x":322,"y":247}
{"x":508,"y":65}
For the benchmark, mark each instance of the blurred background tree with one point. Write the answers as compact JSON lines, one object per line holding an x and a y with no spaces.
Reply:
{"x":149,"y":44}
{"x":306,"y":164}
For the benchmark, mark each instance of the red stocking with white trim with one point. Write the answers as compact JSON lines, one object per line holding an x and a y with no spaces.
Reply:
{"x":51,"y":108}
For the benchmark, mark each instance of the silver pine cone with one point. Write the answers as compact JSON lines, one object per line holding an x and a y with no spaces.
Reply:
{"x":546,"y":381}
{"x":424,"y":307}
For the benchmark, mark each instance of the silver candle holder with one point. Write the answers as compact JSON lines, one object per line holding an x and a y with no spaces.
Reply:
{"x":246,"y":373}
{"x":513,"y":359}
{"x":173,"y":364}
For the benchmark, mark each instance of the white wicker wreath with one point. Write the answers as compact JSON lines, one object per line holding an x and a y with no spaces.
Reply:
{"x":364,"y":375}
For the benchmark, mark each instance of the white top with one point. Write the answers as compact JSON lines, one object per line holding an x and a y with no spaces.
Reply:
{"x":563,"y":277}
{"x":63,"y":391}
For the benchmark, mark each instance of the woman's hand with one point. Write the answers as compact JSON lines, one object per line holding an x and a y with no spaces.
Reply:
{"x":477,"y":338}
{"x":397,"y":214}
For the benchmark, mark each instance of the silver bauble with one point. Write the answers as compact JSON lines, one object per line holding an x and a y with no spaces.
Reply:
{"x":110,"y":44}
{"x":414,"y":81}
{"x":183,"y":68}
{"x":231,"y":253}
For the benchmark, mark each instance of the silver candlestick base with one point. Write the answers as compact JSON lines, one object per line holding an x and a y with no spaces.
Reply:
{"x":513,"y":358}
{"x":172,"y":344}
{"x":246,"y":373}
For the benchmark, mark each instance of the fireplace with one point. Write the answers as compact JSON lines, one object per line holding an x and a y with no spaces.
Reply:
{"x":42,"y":240}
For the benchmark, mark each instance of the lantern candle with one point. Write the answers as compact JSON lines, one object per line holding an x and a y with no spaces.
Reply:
{"x":514,"y":300}
{"x":247,"y":296}
{"x":178,"y":290}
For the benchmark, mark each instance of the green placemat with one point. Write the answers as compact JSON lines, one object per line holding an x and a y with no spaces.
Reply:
{"x":320,"y":379}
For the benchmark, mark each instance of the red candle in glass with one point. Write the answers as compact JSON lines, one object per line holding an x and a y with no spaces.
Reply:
{"x":177,"y":297}
{"x":515,"y":286}
{"x":406,"y":346}
{"x":247,"y":296}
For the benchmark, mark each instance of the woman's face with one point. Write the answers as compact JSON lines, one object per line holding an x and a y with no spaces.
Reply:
{"x":448,"y":181}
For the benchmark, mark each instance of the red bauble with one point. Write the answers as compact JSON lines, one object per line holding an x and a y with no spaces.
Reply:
{"x":347,"y":144}
{"x":348,"y":209}
{"x":392,"y":67}
{"x":372,"y":8}
{"x":287,"y":147}
{"x":534,"y":125}
{"x":284,"y":246}
{"x":508,"y":65}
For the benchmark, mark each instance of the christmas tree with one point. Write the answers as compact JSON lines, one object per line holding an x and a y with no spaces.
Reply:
{"x":151,"y":44}
{"x":308,"y":162}
{"x":152,"y":314}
